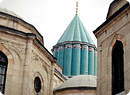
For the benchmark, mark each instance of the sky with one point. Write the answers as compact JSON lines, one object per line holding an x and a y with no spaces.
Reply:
{"x":51,"y":17}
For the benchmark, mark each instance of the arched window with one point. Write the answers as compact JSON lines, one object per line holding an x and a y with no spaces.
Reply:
{"x":117,"y":68}
{"x":3,"y":69}
{"x":37,"y":84}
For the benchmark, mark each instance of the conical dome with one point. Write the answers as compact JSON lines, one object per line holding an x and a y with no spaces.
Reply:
{"x":75,"y":51}
{"x":76,"y":32}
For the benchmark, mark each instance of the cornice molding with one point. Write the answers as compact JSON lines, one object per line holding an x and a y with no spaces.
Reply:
{"x":73,"y":43}
{"x":28,"y":35}
{"x":111,"y":18}
{"x":21,"y":21}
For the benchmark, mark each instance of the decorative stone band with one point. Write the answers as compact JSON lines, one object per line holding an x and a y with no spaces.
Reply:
{"x":72,"y":43}
{"x":60,"y":48}
{"x":82,"y":45}
{"x":95,"y":52}
{"x":76,"y":46}
{"x":90,"y":49}
{"x":68,"y":46}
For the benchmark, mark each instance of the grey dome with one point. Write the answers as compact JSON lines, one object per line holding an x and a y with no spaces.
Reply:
{"x":79,"y":81}
{"x":4,"y":10}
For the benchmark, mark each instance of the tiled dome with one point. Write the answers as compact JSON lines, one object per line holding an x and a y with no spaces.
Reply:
{"x":76,"y":32}
{"x":75,"y":51}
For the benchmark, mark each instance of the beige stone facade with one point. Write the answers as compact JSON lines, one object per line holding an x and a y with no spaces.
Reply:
{"x":115,"y":28}
{"x":27,"y":58}
{"x":58,"y":78}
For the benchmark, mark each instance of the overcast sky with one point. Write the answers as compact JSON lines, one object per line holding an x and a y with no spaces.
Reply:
{"x":51,"y":17}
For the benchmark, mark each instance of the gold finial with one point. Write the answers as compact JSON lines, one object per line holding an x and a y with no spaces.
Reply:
{"x":77,"y":7}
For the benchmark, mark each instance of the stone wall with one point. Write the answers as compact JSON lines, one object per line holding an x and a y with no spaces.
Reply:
{"x":14,"y":48}
{"x":18,"y":23}
{"x":117,"y":29}
{"x":27,"y":59}
{"x":25,"y":62}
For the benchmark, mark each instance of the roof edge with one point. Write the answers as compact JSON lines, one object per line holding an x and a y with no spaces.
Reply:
{"x":22,"y":21}
{"x":112,"y":17}
{"x":75,"y":88}
{"x":60,"y":74}
{"x":110,"y":8}
{"x":74,"y":42}
{"x":36,"y":41}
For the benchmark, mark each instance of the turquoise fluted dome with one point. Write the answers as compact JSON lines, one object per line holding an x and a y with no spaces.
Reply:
{"x":75,"y":50}
{"x":76,"y":32}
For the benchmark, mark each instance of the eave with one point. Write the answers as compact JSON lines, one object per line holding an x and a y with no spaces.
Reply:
{"x":28,"y":35}
{"x":112,"y":17}
{"x":22,"y":22}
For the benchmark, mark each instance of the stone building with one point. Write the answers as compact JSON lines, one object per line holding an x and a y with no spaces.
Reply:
{"x":26,"y":66}
{"x":113,"y":38}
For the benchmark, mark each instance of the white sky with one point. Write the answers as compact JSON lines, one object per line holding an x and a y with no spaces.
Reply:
{"x":51,"y":17}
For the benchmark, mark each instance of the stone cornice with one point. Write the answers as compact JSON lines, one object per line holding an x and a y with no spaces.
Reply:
{"x":61,"y":75}
{"x":73,"y":43}
{"x":28,"y":35}
{"x":21,"y":21}
{"x":111,"y":17}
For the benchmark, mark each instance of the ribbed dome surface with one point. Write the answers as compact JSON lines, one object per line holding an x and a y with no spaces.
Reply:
{"x":76,"y":32}
{"x":79,"y":81}
{"x":75,"y":50}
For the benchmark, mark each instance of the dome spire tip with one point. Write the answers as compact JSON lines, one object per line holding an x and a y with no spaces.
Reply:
{"x":77,"y":7}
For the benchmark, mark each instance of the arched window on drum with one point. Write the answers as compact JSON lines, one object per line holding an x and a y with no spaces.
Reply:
{"x":3,"y":69}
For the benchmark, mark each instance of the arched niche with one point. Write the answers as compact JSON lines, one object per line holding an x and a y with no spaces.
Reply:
{"x":117,"y":68}
{"x":3,"y":69}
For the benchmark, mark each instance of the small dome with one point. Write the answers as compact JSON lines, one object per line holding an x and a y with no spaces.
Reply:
{"x":4,"y":10}
{"x":79,"y":81}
